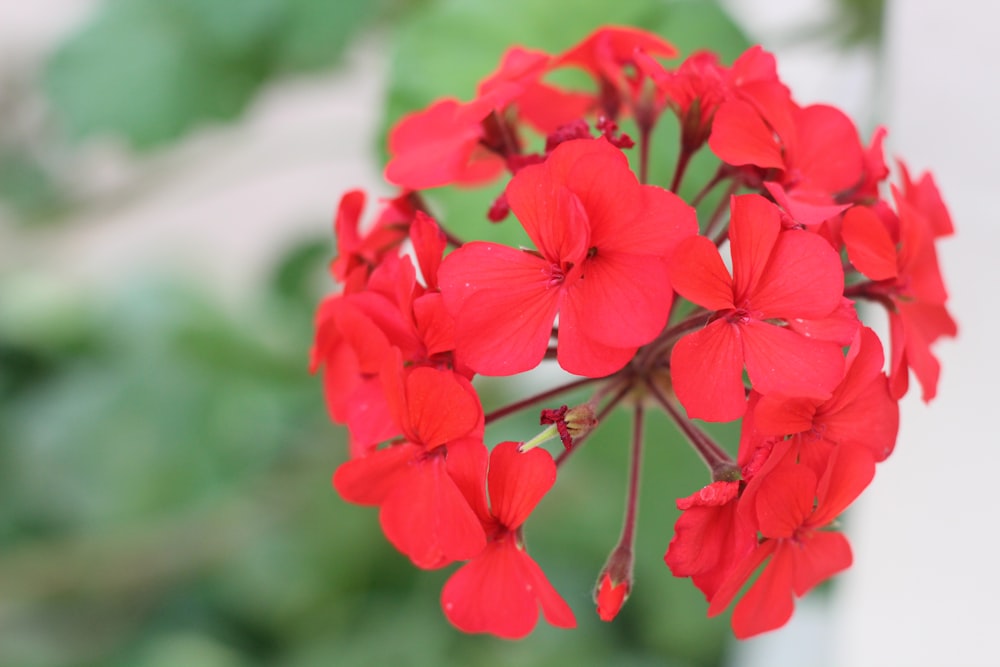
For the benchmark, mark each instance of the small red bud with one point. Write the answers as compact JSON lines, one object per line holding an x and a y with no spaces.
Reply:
{"x":610,"y":597}
{"x":614,"y":584}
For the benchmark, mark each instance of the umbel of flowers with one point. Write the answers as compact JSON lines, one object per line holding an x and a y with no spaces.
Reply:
{"x":626,"y":289}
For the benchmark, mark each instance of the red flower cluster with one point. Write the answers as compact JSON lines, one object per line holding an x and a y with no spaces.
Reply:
{"x":746,"y":314}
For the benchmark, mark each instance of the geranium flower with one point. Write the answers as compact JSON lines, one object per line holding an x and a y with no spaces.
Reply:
{"x":501,"y":590}
{"x":777,"y":277}
{"x":603,"y":241}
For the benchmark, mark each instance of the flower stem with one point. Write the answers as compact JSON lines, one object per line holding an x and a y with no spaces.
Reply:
{"x":632,"y":506}
{"x":720,"y":175}
{"x":644,"y":135}
{"x":715,"y":457}
{"x":537,"y":398}
{"x":869,"y":291}
{"x":683,"y":158}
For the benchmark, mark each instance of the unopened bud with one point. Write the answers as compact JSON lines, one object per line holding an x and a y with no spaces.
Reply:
{"x":614,"y":584}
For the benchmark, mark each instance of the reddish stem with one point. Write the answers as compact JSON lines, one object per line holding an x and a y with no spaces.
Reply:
{"x":715,"y":457}
{"x":683,"y":158}
{"x":644,"y":137}
{"x":537,"y":398}
{"x":632,"y":506}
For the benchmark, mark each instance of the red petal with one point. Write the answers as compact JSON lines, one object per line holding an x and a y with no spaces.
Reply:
{"x":490,"y":593}
{"x":819,"y":557}
{"x":504,"y":306}
{"x":517,"y":481}
{"x":428,"y":245}
{"x":431,"y":147}
{"x":738,"y":577}
{"x":623,"y":300}
{"x":435,"y":325}
{"x":699,"y":275}
{"x":581,"y":355}
{"x":782,"y":362}
{"x":785,"y":500}
{"x":606,"y":49}
{"x":467,"y":461}
{"x":707,"y":372}
{"x":839,"y":327}
{"x":806,"y":208}
{"x":920,"y":325}
{"x":828,"y":150}
{"x":775,"y":415}
{"x":753,"y":231}
{"x":659,"y":221}
{"x":441,"y":406}
{"x":803,"y":278}
{"x":554,"y":607}
{"x":427,"y":518}
{"x":599,"y":174}
{"x":861,"y":410}
{"x":869,"y":246}
{"x":552,"y":215}
{"x":500,"y":591}
{"x":768,"y":603}
{"x":369,"y":480}
{"x":610,"y":598}
{"x":710,"y":537}
{"x":367,"y":415}
{"x":740,"y":136}
{"x":849,"y":472}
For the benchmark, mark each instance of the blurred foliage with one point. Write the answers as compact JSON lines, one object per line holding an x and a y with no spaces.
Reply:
{"x":165,"y":500}
{"x":859,"y":23}
{"x":856,"y":23}
{"x":27,"y":186}
{"x":149,"y":71}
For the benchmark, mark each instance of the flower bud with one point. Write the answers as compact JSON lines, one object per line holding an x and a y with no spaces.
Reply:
{"x":614,"y":584}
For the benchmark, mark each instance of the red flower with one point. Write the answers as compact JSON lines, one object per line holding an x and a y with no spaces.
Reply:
{"x":501,"y":589}
{"x":603,"y":241}
{"x":354,"y":250}
{"x":898,"y":254}
{"x":811,"y":157}
{"x":423,"y":511}
{"x":777,"y":276}
{"x":923,"y":196}
{"x":608,"y":54}
{"x":470,"y":142}
{"x":540,"y":105}
{"x":859,"y":412}
{"x":694,"y":92}
{"x":710,"y":537}
{"x":792,"y":506}
{"x":440,"y":145}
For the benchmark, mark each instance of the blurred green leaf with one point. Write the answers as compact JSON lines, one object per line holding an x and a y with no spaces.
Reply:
{"x":137,"y":71}
{"x":27,"y":186}
{"x":854,"y":23}
{"x":316,"y":31}
{"x":149,"y":71}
